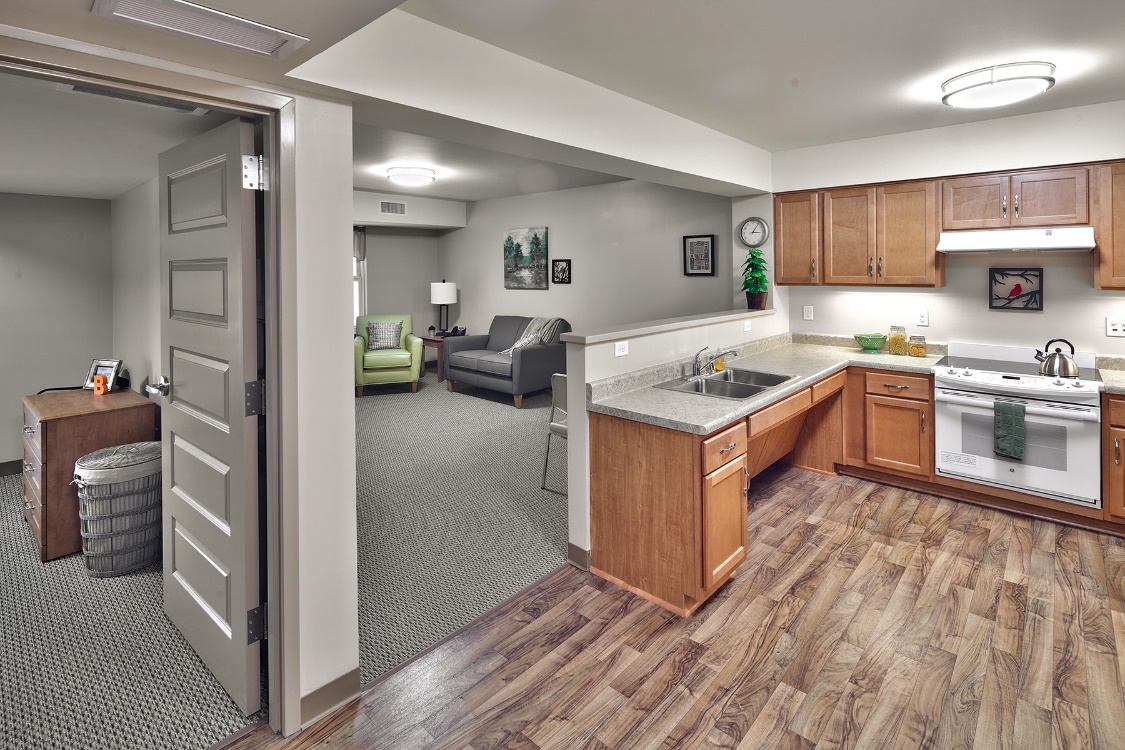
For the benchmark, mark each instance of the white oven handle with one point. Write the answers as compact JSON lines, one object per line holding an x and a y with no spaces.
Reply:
{"x":984,"y":402}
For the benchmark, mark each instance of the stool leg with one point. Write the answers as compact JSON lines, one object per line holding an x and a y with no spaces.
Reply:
{"x":546,"y":457}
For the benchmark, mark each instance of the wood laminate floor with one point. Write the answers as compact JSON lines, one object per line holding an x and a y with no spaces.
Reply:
{"x":865,"y":617}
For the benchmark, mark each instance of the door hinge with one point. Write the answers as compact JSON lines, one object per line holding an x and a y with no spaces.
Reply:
{"x":254,"y":172}
{"x":255,"y":398}
{"x":256,"y":624}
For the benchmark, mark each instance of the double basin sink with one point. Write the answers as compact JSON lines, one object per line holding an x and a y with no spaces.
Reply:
{"x":732,"y":383}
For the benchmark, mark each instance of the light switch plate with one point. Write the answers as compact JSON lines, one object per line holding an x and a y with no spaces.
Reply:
{"x":806,"y":312}
{"x":1115,"y":327}
{"x":746,"y":324}
{"x":620,"y":348}
{"x":923,"y":318}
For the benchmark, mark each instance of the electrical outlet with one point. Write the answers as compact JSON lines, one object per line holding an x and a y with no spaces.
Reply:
{"x":1115,"y":327}
{"x":620,"y":348}
{"x":923,"y":318}
{"x":746,"y":324}
{"x":806,"y":312}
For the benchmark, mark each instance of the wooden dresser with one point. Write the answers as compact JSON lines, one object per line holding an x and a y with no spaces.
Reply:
{"x":59,"y":428}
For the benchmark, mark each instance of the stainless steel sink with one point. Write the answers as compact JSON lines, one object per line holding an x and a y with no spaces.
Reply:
{"x":731,"y":383}
{"x":750,"y":377}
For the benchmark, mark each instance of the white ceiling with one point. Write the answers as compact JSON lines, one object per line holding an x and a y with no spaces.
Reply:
{"x":783,"y":75}
{"x":463,"y":172}
{"x":83,"y":146}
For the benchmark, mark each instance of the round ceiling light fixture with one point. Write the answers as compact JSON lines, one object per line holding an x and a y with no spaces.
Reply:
{"x":998,"y":85}
{"x":411,"y":176}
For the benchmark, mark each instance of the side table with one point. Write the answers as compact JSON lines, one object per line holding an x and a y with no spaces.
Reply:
{"x":434,"y":342}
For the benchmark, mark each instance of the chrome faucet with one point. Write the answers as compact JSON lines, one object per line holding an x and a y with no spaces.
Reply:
{"x":705,"y":365}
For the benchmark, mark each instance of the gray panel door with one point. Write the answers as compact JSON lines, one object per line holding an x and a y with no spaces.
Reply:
{"x":208,"y":344}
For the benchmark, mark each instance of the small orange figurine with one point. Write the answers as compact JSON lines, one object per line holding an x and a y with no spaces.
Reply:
{"x":100,"y":383}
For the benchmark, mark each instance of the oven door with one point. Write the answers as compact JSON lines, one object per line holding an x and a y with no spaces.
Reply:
{"x":1061,"y":455}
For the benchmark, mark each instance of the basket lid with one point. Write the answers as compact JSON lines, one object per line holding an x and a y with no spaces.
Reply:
{"x":120,"y":462}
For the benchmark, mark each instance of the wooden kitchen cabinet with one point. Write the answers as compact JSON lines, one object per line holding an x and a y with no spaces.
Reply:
{"x":888,"y":421}
{"x":797,"y":238}
{"x":849,"y":236}
{"x":725,"y":534}
{"x":1048,"y":197}
{"x":59,"y":428}
{"x":1113,"y":458}
{"x":1108,"y":199}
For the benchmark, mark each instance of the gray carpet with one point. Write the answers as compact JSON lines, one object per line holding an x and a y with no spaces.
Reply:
{"x":93,"y":662}
{"x":451,"y":517}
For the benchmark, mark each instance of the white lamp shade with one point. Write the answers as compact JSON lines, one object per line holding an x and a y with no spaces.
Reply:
{"x":443,"y":293}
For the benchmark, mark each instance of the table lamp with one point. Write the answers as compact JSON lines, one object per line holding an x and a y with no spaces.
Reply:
{"x":443,"y":295}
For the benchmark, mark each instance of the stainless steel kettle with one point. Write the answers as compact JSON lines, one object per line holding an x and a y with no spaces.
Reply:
{"x":1056,"y":364}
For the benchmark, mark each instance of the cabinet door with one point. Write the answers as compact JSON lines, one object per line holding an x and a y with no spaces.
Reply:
{"x":1109,"y":225}
{"x":975,"y":202}
{"x":797,"y":238}
{"x":849,"y":236}
{"x":898,"y":435}
{"x":1050,"y":198}
{"x":1114,"y":470}
{"x":906,"y":236}
{"x":724,"y":521}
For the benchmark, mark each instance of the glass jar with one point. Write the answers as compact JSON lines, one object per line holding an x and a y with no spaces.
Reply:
{"x":916,"y":346}
{"x":896,"y":340}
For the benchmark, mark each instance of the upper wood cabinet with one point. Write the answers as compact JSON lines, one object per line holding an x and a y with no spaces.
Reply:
{"x":882,"y":235}
{"x":1109,"y":224}
{"x":1049,"y":197}
{"x":797,"y":238}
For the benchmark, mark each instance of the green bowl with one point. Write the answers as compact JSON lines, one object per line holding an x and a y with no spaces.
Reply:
{"x":870,"y":342}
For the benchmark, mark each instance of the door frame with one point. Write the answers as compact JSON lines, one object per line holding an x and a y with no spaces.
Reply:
{"x":277,"y":112}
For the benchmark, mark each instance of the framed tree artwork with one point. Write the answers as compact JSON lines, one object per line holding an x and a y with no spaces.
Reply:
{"x":1015,"y":289}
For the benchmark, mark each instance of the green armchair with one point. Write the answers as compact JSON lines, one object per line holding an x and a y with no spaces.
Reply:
{"x":399,"y":365}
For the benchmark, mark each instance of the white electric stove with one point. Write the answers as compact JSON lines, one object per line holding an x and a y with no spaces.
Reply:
{"x":1062,"y":423}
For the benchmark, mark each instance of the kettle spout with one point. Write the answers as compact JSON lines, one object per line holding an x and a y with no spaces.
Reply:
{"x":1040,"y":356}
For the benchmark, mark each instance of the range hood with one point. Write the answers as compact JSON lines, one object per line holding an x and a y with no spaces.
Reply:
{"x":1052,"y":239}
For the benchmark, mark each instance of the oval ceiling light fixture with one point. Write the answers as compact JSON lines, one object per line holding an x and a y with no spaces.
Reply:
{"x":998,"y":85}
{"x":411,"y":176}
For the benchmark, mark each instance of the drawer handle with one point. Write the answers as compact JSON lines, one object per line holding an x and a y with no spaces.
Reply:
{"x":1117,"y":451}
{"x":29,"y":468}
{"x":746,"y":489}
{"x":1004,"y":207}
{"x":892,"y":385}
{"x":923,"y":420}
{"x":1017,"y":205}
{"x":870,"y":262}
{"x":812,"y":268}
{"x":880,"y":266}
{"x":729,"y":448}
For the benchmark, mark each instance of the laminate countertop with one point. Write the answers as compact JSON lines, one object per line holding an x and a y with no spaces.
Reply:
{"x":702,"y":415}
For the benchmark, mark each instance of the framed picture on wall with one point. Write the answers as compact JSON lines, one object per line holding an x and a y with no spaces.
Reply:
{"x":1015,"y":289}
{"x":699,"y":255}
{"x":560,"y":271}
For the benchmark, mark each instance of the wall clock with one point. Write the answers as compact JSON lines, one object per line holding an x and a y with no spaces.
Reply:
{"x":754,"y":232}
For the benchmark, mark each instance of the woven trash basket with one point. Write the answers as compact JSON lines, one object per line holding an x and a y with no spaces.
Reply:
{"x":119,"y":492}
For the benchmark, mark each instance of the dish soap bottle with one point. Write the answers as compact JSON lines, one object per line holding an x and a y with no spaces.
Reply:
{"x":896,"y":340}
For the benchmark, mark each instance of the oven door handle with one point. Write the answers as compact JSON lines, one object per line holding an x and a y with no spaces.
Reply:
{"x":1077,"y":414}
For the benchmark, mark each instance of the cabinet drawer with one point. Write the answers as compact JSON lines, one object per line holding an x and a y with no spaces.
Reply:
{"x":33,"y":510}
{"x":33,"y":434}
{"x":779,"y":412}
{"x":721,"y":448}
{"x":32,"y":472}
{"x":1117,"y":413}
{"x":828,"y":386}
{"x":904,"y":386}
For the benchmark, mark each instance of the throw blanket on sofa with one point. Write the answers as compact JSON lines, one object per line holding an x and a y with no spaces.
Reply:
{"x":538,"y":331}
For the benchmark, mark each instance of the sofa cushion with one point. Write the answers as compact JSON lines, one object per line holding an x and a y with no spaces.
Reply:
{"x":384,"y":335}
{"x":379,"y":358}
{"x":482,"y":360}
{"x":504,"y":331}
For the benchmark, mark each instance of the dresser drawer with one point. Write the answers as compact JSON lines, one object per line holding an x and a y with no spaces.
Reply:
{"x":33,"y":434}
{"x":33,"y":509}
{"x":903,"y":386}
{"x":32,"y":472}
{"x":720,"y":449}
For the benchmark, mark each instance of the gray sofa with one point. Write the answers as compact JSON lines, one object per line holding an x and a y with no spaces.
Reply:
{"x":476,"y":360}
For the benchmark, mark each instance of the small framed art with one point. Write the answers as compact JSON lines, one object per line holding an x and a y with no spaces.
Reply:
{"x":560,"y":271}
{"x":699,"y":255}
{"x":1015,"y":289}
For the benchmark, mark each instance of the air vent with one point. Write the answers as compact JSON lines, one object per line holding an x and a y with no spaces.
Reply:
{"x":200,"y":22}
{"x":390,"y":207}
{"x":135,"y":98}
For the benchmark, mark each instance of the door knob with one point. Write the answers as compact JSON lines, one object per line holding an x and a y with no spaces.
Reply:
{"x":160,"y":388}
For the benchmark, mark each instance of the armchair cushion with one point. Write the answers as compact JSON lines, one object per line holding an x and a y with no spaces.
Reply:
{"x":379,"y":358}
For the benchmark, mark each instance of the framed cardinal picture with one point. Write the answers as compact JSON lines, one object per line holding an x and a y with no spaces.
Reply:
{"x":1015,"y":289}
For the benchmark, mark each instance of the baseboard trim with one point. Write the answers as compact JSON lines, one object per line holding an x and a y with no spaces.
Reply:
{"x":8,"y":468}
{"x":327,"y":698}
{"x":578,"y":557}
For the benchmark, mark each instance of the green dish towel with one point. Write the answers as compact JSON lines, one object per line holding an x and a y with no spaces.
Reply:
{"x":1008,"y":437}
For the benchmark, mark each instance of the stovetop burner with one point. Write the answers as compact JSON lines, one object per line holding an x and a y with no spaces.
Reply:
{"x":1014,"y":371}
{"x":1000,"y":366}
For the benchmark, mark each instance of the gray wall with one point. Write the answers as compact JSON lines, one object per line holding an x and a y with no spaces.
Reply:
{"x":624,"y":240}
{"x":55,"y":298}
{"x":135,"y":223}
{"x":401,"y":265}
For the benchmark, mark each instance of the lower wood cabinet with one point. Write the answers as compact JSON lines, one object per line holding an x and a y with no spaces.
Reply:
{"x":898,"y":435}
{"x":724,"y":521}
{"x":1113,"y":458}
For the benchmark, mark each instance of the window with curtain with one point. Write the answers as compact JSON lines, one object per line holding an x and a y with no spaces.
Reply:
{"x":359,"y":272}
